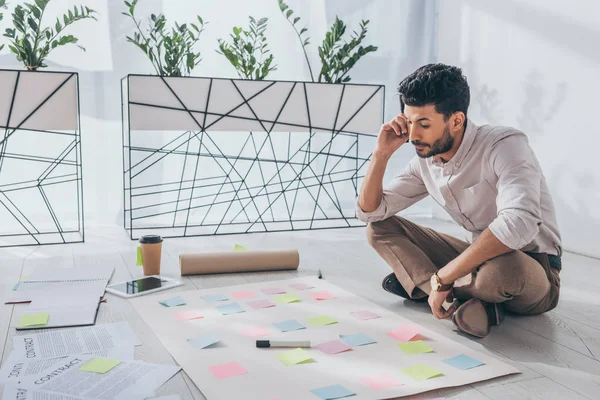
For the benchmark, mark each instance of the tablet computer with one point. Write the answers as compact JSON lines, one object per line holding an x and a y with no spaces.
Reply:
{"x":142,"y":286}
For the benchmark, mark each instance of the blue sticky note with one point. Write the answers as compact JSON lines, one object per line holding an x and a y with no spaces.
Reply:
{"x":213,"y":298}
{"x":173,"y":302}
{"x":204,"y":341}
{"x":360,"y":339}
{"x":231,"y":308}
{"x":290,"y":325}
{"x":463,"y":362}
{"x":333,"y":392}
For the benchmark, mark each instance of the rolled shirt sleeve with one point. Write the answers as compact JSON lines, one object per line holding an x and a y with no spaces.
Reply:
{"x":519,"y":184}
{"x":403,"y":191}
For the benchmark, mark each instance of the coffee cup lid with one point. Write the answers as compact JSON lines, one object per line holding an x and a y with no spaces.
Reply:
{"x":150,"y":239}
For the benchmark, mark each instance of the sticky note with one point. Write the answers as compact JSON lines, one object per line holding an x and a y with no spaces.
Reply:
{"x":99,"y":365}
{"x":239,"y":247}
{"x":173,"y":302}
{"x":231,"y":308}
{"x":416,"y":347}
{"x":273,"y":291}
{"x":333,"y":347}
{"x":301,"y":286}
{"x":204,"y":341}
{"x":321,"y":320}
{"x":364,"y":315}
{"x":293,"y":357}
{"x":381,"y":381}
{"x":420,"y":372}
{"x":405,"y":333}
{"x":37,"y":319}
{"x":324,"y":295}
{"x":140,"y":261}
{"x":255,"y":331}
{"x":261,"y":304}
{"x":359,"y":339}
{"x":243,"y":295}
{"x":213,"y":298}
{"x":286,"y":298}
{"x":463,"y":362}
{"x":333,"y":392}
{"x":228,"y":370}
{"x":188,"y":315}
{"x":290,"y":325}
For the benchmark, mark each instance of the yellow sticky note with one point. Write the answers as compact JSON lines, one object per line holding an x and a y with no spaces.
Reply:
{"x":416,"y":347}
{"x":293,"y":357}
{"x":421,"y":372}
{"x":239,"y":247}
{"x":321,"y":320}
{"x":286,"y":298}
{"x":99,"y":365}
{"x":38,"y":319}
{"x":140,"y":260}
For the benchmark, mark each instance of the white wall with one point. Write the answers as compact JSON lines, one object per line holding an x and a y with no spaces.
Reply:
{"x":403,"y":30}
{"x":534,"y":65}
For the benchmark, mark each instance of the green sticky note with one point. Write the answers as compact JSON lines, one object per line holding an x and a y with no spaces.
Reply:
{"x":99,"y":365}
{"x":420,"y":372}
{"x":239,"y":247}
{"x":293,"y":357}
{"x":140,"y":260}
{"x":286,"y":298}
{"x":321,"y":320}
{"x":38,"y":319}
{"x":416,"y":347}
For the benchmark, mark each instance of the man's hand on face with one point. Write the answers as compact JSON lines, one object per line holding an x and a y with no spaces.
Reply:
{"x":392,"y":135}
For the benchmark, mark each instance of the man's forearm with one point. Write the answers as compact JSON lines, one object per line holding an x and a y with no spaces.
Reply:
{"x":371,"y":190}
{"x":486,"y":247}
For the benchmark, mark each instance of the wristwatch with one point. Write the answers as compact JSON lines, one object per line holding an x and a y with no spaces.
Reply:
{"x":437,"y":285}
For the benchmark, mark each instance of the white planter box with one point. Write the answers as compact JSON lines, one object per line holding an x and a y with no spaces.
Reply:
{"x":206,"y":156}
{"x":41,"y":192}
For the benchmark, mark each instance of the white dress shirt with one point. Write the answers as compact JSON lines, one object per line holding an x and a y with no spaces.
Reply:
{"x":493,"y":181}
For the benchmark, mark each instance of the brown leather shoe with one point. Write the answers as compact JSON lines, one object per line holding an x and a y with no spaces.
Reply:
{"x":391,"y":284}
{"x":475,"y":317}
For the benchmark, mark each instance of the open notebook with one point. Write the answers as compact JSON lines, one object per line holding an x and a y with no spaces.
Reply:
{"x":66,"y":296}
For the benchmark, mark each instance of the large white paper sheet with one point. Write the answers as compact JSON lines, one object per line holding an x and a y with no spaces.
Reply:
{"x":268,"y":378}
{"x":74,"y":341}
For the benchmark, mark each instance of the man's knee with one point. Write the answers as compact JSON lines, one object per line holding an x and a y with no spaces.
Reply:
{"x":505,"y":274}
{"x":376,"y":230}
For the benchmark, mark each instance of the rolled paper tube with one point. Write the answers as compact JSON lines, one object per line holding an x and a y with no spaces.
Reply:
{"x":238,"y":261}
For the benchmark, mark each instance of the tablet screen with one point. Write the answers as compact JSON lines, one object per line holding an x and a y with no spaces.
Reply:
{"x":142,"y":285}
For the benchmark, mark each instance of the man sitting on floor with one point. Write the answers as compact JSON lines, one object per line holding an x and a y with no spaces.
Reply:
{"x":490,"y":182}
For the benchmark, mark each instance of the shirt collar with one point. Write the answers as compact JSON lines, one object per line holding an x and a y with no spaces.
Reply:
{"x":465,"y":146}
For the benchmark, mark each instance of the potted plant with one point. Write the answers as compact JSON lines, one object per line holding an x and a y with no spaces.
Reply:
{"x":248,"y":154}
{"x":40,"y":151}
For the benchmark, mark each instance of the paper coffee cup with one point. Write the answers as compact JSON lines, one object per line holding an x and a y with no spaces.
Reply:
{"x":150,"y":249}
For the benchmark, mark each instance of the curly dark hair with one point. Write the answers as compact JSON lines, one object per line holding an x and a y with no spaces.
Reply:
{"x":442,"y":85}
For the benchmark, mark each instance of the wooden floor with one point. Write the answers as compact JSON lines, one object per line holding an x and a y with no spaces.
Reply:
{"x":558,"y":352}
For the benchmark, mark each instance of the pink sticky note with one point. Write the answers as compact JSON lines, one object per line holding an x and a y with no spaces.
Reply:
{"x":228,"y":370}
{"x":243,"y":295}
{"x":324,"y":295}
{"x":364,"y":315}
{"x":405,"y":333}
{"x":273,"y":291}
{"x":333,"y":347}
{"x":261,"y":304}
{"x":301,"y":286}
{"x":187,"y":315}
{"x":255,"y":331}
{"x":381,"y":381}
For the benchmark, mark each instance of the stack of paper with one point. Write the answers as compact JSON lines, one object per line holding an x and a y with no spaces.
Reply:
{"x":61,"y":297}
{"x":81,"y":364}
